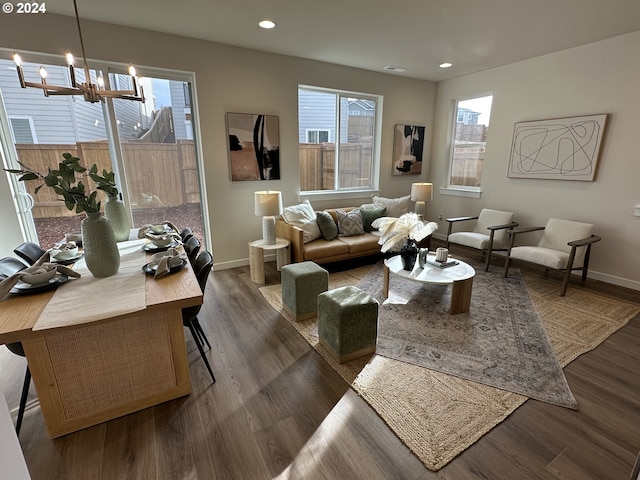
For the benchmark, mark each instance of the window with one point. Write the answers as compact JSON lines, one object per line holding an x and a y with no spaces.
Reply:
{"x":338,"y":147}
{"x":317,"y":136}
{"x":22,"y":130}
{"x":469,"y":141}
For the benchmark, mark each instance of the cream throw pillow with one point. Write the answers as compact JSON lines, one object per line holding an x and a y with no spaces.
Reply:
{"x":395,"y":206}
{"x":349,"y":223}
{"x":304,"y":217}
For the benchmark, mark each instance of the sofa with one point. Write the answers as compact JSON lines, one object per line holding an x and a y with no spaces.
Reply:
{"x":336,"y":234}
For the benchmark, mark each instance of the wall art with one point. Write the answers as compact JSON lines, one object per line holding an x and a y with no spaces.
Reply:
{"x":408,"y":144}
{"x":254,"y":146}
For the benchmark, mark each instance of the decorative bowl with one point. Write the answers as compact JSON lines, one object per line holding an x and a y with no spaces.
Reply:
{"x":67,"y":251}
{"x":161,"y":241}
{"x":37,"y":275}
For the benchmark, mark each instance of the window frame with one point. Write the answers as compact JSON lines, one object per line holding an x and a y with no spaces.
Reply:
{"x":461,"y":190}
{"x":348,"y":192}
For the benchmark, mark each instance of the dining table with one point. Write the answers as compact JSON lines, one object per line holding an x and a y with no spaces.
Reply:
{"x":101,"y":348}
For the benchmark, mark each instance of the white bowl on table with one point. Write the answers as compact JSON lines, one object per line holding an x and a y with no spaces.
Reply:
{"x":66,"y":251}
{"x":37,"y":275}
{"x":161,"y":240}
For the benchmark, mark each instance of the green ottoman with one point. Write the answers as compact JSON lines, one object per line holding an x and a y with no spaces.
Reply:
{"x":301,"y":284}
{"x":347,"y":323}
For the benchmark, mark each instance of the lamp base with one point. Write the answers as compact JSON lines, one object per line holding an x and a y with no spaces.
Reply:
{"x":269,"y":230}
{"x":420,"y":209}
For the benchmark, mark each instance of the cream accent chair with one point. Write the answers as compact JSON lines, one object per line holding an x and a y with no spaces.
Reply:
{"x":489,"y":234}
{"x":565,"y":245}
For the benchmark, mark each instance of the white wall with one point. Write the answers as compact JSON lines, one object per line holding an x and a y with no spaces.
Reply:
{"x":232,"y":79}
{"x":598,"y":78}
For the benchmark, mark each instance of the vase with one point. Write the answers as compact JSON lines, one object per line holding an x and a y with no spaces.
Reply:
{"x":409,"y":253}
{"x":100,"y":247}
{"x":114,"y":210}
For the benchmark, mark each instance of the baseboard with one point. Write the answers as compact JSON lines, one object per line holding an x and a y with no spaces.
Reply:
{"x":241,"y":262}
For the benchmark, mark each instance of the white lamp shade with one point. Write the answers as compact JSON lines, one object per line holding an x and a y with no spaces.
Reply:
{"x":421,"y":192}
{"x":268,"y":203}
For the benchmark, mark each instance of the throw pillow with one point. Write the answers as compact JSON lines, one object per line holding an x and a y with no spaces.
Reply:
{"x":328,"y":227}
{"x":349,"y":223}
{"x":395,"y":206}
{"x":369,"y":215}
{"x":304,"y":217}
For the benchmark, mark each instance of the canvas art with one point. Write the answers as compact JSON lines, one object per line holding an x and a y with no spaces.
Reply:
{"x":254,"y":146}
{"x":557,"y":149}
{"x":408,"y":144}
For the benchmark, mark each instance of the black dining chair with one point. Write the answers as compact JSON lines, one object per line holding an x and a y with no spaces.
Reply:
{"x":19,"y":350}
{"x":202,"y":267}
{"x":185,"y":233}
{"x":30,"y":252}
{"x":9,"y":266}
{"x":191,"y":248}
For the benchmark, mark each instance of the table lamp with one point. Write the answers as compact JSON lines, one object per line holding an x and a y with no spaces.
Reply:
{"x":268,"y":204}
{"x":420,"y":193}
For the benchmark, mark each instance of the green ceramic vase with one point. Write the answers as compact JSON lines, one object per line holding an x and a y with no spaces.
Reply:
{"x":100,"y":247}
{"x":114,"y":210}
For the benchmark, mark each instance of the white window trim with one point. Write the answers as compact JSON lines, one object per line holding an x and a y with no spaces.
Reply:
{"x":317,"y":130}
{"x":366,"y":192}
{"x":457,"y":190}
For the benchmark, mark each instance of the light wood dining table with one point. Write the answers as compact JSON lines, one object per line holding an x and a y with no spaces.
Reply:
{"x":89,"y":373}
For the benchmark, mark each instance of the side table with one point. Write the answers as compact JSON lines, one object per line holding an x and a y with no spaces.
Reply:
{"x":257,"y":249}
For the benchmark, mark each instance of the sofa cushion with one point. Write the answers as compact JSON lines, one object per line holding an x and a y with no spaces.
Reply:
{"x":304,"y":217}
{"x":395,"y":206}
{"x":327,"y":225}
{"x":321,"y":248}
{"x":369,"y":215}
{"x":349,"y":222}
{"x":361,"y":243}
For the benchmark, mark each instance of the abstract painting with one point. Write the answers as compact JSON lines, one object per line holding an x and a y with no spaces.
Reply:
{"x":557,"y":149}
{"x":408,"y":144}
{"x":254,"y":146}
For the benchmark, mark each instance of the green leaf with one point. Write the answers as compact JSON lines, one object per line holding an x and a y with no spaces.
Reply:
{"x":28,"y":176}
{"x":13,"y":170}
{"x":38,"y":189}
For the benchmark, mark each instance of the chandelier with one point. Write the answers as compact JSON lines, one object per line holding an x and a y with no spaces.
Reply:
{"x":92,"y":92}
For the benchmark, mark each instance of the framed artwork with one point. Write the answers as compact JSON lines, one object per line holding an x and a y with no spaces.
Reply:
{"x":557,"y":149}
{"x":254,"y":146}
{"x":408,"y":144}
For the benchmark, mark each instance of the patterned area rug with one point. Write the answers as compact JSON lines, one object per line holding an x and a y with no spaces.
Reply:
{"x":438,"y":415}
{"x":500,"y":341}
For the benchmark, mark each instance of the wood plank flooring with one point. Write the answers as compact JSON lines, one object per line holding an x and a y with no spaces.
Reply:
{"x":278,"y":411}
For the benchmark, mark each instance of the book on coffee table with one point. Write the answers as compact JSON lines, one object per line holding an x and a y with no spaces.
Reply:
{"x":448,"y":263}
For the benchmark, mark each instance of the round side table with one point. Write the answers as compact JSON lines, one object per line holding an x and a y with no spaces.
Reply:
{"x":257,"y":250}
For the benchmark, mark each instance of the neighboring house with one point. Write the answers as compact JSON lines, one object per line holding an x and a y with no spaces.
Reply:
{"x":468,"y":117}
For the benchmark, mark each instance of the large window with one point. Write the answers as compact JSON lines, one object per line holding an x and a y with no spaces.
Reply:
{"x":469,"y":141}
{"x":148,"y":145}
{"x":337,"y":146}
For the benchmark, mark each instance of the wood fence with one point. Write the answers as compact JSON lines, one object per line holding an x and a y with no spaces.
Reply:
{"x":317,"y":165}
{"x":158,"y":174}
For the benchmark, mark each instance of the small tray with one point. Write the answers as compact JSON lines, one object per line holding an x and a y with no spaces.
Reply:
{"x":449,"y":263}
{"x":22,"y":287}
{"x":151,"y":269}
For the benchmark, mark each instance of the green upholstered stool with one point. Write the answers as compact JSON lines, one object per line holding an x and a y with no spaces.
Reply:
{"x":301,"y":284}
{"x":347,"y":323}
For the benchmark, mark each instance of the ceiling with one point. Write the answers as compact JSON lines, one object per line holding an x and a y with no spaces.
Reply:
{"x":371,"y":34}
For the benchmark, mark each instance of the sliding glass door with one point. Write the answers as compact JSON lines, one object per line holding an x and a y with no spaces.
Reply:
{"x":149,"y":145}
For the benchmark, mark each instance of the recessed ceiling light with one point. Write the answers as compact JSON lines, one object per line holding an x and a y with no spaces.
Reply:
{"x":391,"y":68}
{"x":267,"y":24}
{"x":446,"y":65}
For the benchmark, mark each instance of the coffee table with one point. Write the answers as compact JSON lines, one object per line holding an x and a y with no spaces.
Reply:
{"x":459,"y":276}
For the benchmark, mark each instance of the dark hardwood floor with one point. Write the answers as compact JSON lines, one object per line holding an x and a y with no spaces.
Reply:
{"x":278,"y":411}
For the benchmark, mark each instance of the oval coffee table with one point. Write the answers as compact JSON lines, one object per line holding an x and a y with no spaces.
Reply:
{"x":459,"y":276}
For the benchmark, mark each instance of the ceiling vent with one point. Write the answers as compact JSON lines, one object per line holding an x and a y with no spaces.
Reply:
{"x":391,"y":68}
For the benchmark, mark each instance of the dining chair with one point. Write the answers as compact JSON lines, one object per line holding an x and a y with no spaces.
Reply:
{"x":565,"y":246}
{"x":30,"y":252}
{"x":185,"y":233}
{"x":202,"y":267}
{"x":9,"y":266}
{"x":488,"y":235}
{"x":191,"y":248}
{"x":19,"y":350}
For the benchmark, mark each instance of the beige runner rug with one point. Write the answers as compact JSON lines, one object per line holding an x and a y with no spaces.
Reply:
{"x":438,"y":415}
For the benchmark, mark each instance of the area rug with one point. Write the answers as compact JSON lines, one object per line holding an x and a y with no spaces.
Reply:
{"x":438,"y":415}
{"x":499,"y":342}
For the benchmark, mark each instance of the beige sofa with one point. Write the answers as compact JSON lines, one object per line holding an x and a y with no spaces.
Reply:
{"x":323,"y":251}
